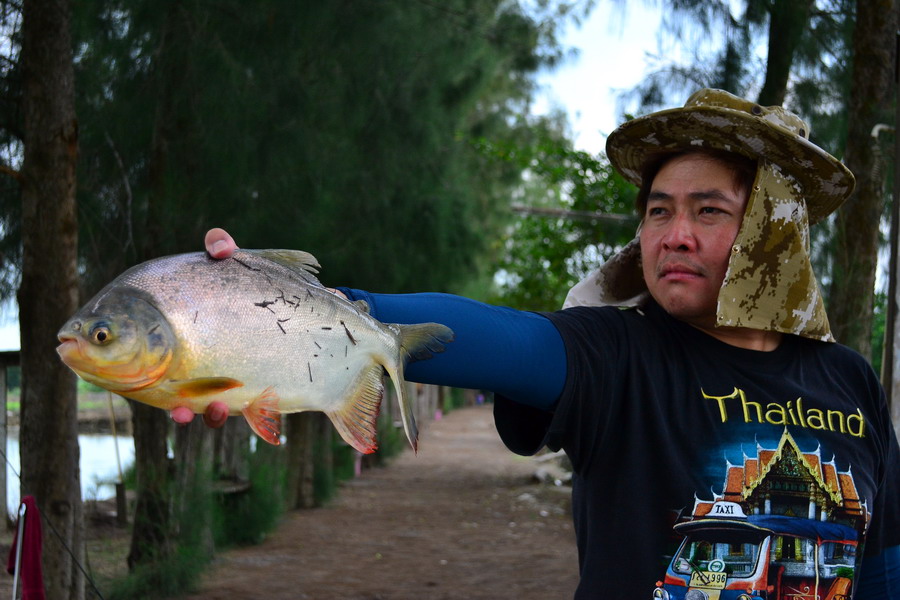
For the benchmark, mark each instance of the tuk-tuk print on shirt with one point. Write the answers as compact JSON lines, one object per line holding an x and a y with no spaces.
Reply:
{"x":786,"y":525}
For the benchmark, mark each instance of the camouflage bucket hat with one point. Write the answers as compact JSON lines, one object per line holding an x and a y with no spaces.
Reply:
{"x":715,"y":119}
{"x":769,"y":284}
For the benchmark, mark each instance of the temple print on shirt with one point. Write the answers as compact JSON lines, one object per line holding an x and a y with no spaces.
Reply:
{"x":786,"y":526}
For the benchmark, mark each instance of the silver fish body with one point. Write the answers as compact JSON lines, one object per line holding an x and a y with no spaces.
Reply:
{"x":256,"y":331}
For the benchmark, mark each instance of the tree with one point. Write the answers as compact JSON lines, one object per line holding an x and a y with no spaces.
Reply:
{"x":339,"y":128}
{"x":48,"y":293}
{"x":575,"y":212}
{"x":857,"y":236}
{"x":814,"y":48}
{"x":788,"y":20}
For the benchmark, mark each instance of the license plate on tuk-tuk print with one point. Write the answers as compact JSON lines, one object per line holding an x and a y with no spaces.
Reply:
{"x":708,"y":579}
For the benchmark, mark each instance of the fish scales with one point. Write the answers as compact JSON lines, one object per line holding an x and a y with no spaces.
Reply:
{"x":248,"y":323}
{"x":256,"y":331}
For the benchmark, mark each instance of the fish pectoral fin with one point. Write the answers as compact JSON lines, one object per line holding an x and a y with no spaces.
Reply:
{"x":356,"y":421}
{"x":203,"y":386}
{"x":263,"y":416}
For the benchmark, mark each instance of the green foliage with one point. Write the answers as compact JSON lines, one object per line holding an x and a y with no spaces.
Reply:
{"x":246,"y":518}
{"x":340,"y":128}
{"x":578,"y":213}
{"x":324,"y":480}
{"x":345,"y":461}
{"x":13,"y":378}
{"x":726,"y":46}
{"x":453,"y":399}
{"x":391,"y":442}
{"x":173,"y":576}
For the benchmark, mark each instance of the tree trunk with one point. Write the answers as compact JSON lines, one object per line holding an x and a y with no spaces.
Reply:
{"x":194,"y":500}
{"x":231,"y":449}
{"x":325,"y":481}
{"x":787,"y":21}
{"x":48,"y":294}
{"x":151,"y":537}
{"x":301,"y":439}
{"x":152,"y":518}
{"x":852,"y":294}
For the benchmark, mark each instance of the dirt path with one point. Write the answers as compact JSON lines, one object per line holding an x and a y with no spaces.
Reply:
{"x":462,"y":520}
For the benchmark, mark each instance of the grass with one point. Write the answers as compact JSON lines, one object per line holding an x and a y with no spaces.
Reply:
{"x":88,"y":400}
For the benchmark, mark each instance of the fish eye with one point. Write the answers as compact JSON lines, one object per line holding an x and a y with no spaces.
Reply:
{"x":100,"y":334}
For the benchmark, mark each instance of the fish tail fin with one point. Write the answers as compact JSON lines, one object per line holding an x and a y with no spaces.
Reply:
{"x":417,"y":342}
{"x":356,"y":421}
{"x":263,"y":416}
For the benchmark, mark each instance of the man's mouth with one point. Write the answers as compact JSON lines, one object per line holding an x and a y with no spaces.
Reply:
{"x":679,"y":273}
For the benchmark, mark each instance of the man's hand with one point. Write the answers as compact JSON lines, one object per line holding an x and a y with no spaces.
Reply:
{"x":215,"y":415}
{"x":219,"y":245}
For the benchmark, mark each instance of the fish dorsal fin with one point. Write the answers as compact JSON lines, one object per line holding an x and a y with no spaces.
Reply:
{"x":361,"y":305}
{"x":298,"y":261}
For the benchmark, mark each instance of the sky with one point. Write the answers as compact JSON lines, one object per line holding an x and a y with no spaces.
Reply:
{"x":612,"y":46}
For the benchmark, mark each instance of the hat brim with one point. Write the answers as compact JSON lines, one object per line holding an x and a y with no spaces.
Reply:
{"x":825,"y":181}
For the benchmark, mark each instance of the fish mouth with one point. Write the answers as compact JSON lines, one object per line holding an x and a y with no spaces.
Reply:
{"x":118,"y":378}
{"x":69,"y":349}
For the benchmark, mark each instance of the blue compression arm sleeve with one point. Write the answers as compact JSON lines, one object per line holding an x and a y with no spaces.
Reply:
{"x":517,"y":354}
{"x":880,"y":576}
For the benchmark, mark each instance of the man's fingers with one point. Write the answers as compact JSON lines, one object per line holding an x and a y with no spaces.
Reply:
{"x":219,"y":244}
{"x":182,"y":415}
{"x":216,"y":414}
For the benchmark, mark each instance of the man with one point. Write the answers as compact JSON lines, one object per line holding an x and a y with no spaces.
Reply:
{"x":723,"y":445}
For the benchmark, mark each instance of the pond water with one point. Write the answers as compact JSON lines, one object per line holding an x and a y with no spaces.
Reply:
{"x":99,"y":468}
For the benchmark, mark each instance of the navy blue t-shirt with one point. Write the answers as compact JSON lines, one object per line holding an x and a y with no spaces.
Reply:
{"x":700,"y":465}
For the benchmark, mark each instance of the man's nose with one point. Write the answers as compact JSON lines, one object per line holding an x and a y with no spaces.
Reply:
{"x":680,"y":234}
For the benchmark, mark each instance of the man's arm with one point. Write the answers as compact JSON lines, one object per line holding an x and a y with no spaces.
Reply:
{"x":880,"y":577}
{"x":517,"y":354}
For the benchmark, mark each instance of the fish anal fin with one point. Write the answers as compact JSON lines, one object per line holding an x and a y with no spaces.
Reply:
{"x":263,"y":416}
{"x":357,"y":420}
{"x":203,"y":386}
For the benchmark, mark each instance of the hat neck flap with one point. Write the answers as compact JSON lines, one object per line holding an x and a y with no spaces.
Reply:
{"x":770,"y":284}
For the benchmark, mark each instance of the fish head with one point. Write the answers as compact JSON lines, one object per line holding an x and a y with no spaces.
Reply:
{"x":119,"y":341}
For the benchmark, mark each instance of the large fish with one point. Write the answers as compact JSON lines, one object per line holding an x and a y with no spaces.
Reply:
{"x":256,"y":331}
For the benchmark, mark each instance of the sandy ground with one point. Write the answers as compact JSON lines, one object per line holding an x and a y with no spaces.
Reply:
{"x":463,"y":519}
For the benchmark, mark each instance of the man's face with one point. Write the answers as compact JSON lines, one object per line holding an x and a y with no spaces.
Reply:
{"x":694,"y":212}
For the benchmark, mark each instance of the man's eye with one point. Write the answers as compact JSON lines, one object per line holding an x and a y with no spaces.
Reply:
{"x":710,"y":210}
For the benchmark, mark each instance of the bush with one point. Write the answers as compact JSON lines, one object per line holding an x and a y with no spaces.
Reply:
{"x":168,"y":577}
{"x":245,"y":518}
